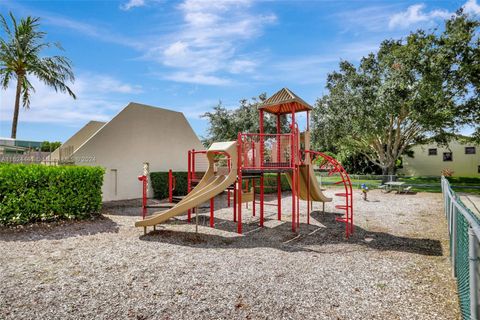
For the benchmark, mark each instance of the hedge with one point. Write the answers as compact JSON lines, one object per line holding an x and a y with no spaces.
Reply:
{"x":159,"y":182}
{"x":31,"y":193}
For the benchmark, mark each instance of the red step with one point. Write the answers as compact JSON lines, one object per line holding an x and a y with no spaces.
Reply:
{"x":342,"y":194}
{"x":341,"y":206}
{"x":341,"y":220}
{"x":338,"y":182}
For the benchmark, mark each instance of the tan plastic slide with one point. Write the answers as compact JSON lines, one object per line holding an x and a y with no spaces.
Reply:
{"x":211,"y":185}
{"x":306,"y":173}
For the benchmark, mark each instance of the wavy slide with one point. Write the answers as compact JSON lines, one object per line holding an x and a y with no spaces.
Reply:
{"x":211,"y":185}
{"x":307,"y":173}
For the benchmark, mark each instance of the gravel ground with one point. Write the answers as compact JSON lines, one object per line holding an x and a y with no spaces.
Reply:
{"x":394,"y":267}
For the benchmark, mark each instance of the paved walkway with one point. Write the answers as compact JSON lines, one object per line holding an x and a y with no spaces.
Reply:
{"x":472,"y":201}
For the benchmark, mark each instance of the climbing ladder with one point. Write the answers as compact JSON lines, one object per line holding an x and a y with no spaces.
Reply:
{"x":333,"y":166}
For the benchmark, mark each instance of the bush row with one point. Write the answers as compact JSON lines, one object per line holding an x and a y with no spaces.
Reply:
{"x":30,"y":193}
{"x":159,"y":181}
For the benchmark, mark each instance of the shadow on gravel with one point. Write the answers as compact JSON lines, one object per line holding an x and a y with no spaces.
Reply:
{"x":279,"y":235}
{"x":58,"y":230}
{"x":133,"y":207}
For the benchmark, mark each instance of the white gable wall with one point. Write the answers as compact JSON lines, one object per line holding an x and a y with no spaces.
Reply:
{"x":136,"y":135}
{"x":78,"y":138}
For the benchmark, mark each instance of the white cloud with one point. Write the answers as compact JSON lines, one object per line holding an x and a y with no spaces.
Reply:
{"x":415,"y":14}
{"x":370,"y":18}
{"x":94,"y":101}
{"x":102,"y":33}
{"x":208,"y":42}
{"x":197,"y":78}
{"x":472,"y":7}
{"x":132,"y":4}
{"x":106,"y":84}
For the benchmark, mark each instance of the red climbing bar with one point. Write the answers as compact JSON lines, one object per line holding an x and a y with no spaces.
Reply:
{"x":212,"y":204}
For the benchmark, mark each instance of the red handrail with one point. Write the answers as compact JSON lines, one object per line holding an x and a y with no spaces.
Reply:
{"x":348,"y":207}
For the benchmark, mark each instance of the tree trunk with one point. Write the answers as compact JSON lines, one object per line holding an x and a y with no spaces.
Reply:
{"x":391,"y":169}
{"x":17,"y":107}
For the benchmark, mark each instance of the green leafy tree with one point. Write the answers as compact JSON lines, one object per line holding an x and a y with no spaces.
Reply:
{"x":224,"y":124}
{"x":49,"y":146}
{"x":424,"y":86}
{"x":21,"y":46}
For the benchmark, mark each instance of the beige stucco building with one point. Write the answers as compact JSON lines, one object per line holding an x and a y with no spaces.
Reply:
{"x":138,"y":134}
{"x":430,"y":160}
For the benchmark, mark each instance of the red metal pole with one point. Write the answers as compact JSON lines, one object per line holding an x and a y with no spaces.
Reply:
{"x":239,"y":197}
{"x":193,"y":163}
{"x":212,"y":203}
{"x":143,"y":180}
{"x":279,"y":196}
{"x":189,"y":182}
{"x":253,"y":201}
{"x":279,"y":176}
{"x":261,"y":139}
{"x":235,"y":202}
{"x":298,"y":198}
{"x":294,"y":178}
{"x":308,"y":192}
{"x":262,"y":199}
{"x":144,"y":196}
{"x":170,"y":186}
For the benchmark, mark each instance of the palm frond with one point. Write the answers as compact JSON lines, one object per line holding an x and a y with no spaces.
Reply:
{"x":26,"y":89}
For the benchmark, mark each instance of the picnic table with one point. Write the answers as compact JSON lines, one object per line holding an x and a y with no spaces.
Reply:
{"x":394,"y":184}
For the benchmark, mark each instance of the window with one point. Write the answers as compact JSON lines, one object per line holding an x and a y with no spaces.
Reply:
{"x":432,"y":152}
{"x":478,"y":169}
{"x":470,"y":150}
{"x":447,"y":156}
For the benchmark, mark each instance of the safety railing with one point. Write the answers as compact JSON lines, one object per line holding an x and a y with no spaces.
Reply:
{"x":464,"y":231}
{"x":266,"y":151}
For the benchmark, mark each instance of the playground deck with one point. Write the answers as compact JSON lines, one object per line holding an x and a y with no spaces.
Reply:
{"x":395,"y":266}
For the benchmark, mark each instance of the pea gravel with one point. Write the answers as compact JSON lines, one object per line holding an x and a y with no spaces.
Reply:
{"x":396,"y":265}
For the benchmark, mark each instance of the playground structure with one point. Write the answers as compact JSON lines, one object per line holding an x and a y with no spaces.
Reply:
{"x":244,"y":162}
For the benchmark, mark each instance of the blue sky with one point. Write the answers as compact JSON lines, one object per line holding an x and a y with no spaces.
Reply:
{"x":188,"y":55}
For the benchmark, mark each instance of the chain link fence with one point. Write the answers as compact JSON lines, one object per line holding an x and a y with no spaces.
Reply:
{"x":464,"y":231}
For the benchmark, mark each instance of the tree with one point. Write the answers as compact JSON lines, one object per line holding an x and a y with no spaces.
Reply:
{"x":224,"y":124}
{"x":49,"y":146}
{"x":425,"y":86}
{"x":20,"y":59}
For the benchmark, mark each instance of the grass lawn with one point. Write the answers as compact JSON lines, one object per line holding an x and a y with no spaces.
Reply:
{"x":419,"y":184}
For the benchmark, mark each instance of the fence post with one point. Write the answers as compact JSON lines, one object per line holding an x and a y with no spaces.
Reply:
{"x":473,"y":257}
{"x":453,"y":244}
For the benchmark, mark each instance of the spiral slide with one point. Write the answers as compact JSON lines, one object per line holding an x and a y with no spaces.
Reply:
{"x":211,"y":185}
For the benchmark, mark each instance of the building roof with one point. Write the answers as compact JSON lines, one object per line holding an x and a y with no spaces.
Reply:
{"x":75,"y":141}
{"x":284,"y":101}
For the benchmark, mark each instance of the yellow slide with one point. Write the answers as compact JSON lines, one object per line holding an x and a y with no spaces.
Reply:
{"x":211,"y":185}
{"x":306,"y":173}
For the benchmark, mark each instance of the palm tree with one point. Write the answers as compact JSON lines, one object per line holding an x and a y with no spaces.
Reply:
{"x":20,"y":59}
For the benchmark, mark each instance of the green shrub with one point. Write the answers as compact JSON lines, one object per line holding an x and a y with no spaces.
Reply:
{"x":159,"y":182}
{"x":30,"y":193}
{"x":269,"y":181}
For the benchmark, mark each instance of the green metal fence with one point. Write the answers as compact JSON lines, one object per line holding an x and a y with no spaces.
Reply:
{"x":464,"y":231}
